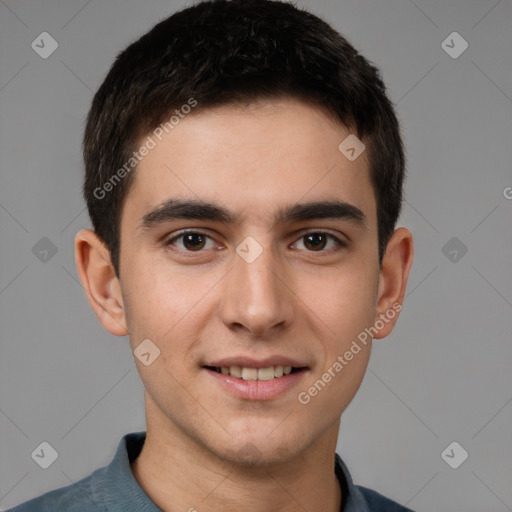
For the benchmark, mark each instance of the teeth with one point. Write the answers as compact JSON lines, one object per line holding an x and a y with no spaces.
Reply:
{"x":268,"y":373}
{"x":235,"y":371}
{"x":249,"y":374}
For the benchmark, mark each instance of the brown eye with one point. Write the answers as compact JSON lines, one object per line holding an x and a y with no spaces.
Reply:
{"x":191,"y":241}
{"x":315,"y":241}
{"x":320,"y":241}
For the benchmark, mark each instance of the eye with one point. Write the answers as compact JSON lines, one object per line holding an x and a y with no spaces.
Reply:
{"x":191,"y":241}
{"x":318,"y":241}
{"x":197,"y":242}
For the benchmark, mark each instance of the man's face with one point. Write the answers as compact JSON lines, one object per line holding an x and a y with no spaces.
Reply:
{"x":255,"y":291}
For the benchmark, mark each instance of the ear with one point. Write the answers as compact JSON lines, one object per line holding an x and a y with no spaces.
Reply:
{"x":99,"y":280}
{"x":394,"y":272}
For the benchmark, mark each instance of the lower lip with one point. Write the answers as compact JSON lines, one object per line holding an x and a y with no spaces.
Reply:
{"x":257,"y":389}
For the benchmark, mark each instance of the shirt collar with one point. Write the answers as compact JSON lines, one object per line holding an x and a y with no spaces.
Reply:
{"x":121,"y":491}
{"x":352,"y":499}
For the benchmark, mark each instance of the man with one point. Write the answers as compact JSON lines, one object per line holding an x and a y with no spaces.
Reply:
{"x":244,"y":173}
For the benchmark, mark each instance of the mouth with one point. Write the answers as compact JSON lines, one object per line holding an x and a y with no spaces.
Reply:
{"x":262,"y":374}
{"x":248,"y":379}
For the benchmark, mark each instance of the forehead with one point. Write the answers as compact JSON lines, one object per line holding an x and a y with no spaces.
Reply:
{"x":256,"y":158}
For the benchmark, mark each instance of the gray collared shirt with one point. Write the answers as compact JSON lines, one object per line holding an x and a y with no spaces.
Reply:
{"x":113,"y":488}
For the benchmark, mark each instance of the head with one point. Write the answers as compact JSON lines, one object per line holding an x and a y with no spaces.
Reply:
{"x":226,"y":120}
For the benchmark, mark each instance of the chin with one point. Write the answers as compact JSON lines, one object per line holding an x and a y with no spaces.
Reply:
{"x":251,"y":451}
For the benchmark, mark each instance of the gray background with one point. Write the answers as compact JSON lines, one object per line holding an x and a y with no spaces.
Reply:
{"x":444,"y":373}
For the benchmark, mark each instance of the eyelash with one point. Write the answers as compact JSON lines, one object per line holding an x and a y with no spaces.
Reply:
{"x":168,"y":243}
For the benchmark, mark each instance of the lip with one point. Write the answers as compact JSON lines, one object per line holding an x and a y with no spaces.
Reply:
{"x":257,"y":390}
{"x":250,"y":362}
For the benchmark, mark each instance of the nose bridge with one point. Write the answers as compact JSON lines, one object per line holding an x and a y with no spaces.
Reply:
{"x":259,"y":278}
{"x":256,"y":298}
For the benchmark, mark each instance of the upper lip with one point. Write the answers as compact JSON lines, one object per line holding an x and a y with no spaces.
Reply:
{"x":250,"y":362}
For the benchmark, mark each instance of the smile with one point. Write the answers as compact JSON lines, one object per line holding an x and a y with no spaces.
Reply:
{"x":268,"y":373}
{"x":260,"y":384}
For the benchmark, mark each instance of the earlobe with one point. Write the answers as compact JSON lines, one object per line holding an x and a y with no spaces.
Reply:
{"x":100,"y":283}
{"x":394,"y":273}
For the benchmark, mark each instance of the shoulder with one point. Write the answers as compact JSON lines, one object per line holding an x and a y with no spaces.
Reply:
{"x":78,"y":497}
{"x":378,"y":503}
{"x":111,"y":487}
{"x":361,"y":499}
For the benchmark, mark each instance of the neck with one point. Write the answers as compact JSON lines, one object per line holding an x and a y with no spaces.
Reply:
{"x":179,"y":474}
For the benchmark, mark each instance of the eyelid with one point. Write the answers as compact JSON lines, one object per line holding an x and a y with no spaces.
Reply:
{"x":324,"y":231}
{"x":340,"y":242}
{"x":168,"y":241}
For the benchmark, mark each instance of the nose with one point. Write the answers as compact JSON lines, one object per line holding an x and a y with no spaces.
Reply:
{"x":257,"y":298}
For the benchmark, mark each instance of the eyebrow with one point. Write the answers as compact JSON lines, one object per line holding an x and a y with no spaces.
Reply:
{"x":173,"y":209}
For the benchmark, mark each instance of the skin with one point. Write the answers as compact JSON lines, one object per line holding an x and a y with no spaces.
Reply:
{"x":298,"y":300}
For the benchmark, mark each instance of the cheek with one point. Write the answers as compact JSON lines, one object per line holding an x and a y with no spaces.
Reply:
{"x":166,"y":305}
{"x":343,"y":301}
